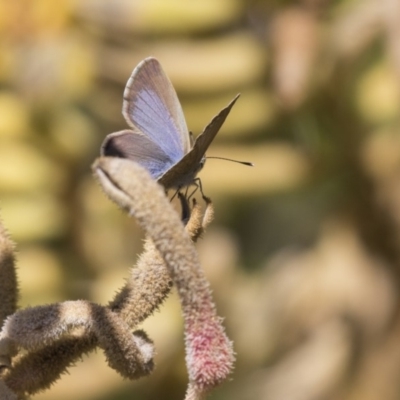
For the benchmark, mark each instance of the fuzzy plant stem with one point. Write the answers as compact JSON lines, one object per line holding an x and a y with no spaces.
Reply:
{"x":45,"y":331}
{"x":209,"y":353}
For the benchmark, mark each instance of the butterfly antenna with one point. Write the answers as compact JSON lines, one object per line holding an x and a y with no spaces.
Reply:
{"x":250,"y":164}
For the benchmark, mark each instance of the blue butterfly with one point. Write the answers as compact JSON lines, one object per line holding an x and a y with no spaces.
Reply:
{"x":159,"y":139}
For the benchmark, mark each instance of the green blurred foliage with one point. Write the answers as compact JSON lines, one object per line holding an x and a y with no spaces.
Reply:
{"x":303,"y":256}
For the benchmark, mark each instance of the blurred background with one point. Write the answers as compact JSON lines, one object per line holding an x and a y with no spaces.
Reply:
{"x":304,"y":253}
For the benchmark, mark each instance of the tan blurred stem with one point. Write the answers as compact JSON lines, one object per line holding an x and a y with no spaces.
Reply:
{"x":8,"y":287}
{"x":391,"y":12}
{"x":8,"y":281}
{"x":209,"y":353}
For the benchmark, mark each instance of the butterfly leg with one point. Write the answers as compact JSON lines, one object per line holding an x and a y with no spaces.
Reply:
{"x":186,"y":192}
{"x":198,"y":185}
{"x":174,"y":195}
{"x":186,"y":212}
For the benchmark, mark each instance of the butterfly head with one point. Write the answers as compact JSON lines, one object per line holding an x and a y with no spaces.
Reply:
{"x":201,"y":164}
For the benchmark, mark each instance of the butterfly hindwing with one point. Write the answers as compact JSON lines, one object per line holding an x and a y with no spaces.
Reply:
{"x":139,"y":148}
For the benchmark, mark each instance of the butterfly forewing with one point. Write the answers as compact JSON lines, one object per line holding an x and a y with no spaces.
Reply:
{"x":205,"y":138}
{"x":152,"y":106}
{"x":139,"y":148}
{"x":184,"y":172}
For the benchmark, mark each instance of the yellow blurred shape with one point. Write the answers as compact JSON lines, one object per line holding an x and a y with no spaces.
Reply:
{"x":276,"y":167}
{"x":219,"y":256}
{"x":8,"y":60}
{"x":55,"y":70}
{"x":165,"y":327}
{"x":253,"y":111}
{"x":381,"y":154}
{"x":39,"y":276}
{"x":77,"y":68}
{"x":23,"y":168}
{"x":313,"y":368}
{"x":104,"y":227}
{"x":14,"y":116}
{"x":30,"y":17}
{"x":73,"y":133}
{"x":49,"y":15}
{"x":378,"y":94}
{"x":161,"y":16}
{"x":214,"y":65}
{"x":204,"y":66}
{"x":109,"y":282}
{"x":33,"y":218}
{"x":249,"y":318}
{"x":90,"y":378}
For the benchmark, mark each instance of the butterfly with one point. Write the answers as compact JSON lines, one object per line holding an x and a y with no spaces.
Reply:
{"x":159,"y":139}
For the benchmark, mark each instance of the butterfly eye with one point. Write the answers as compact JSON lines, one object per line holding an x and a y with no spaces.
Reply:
{"x":202,"y":162}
